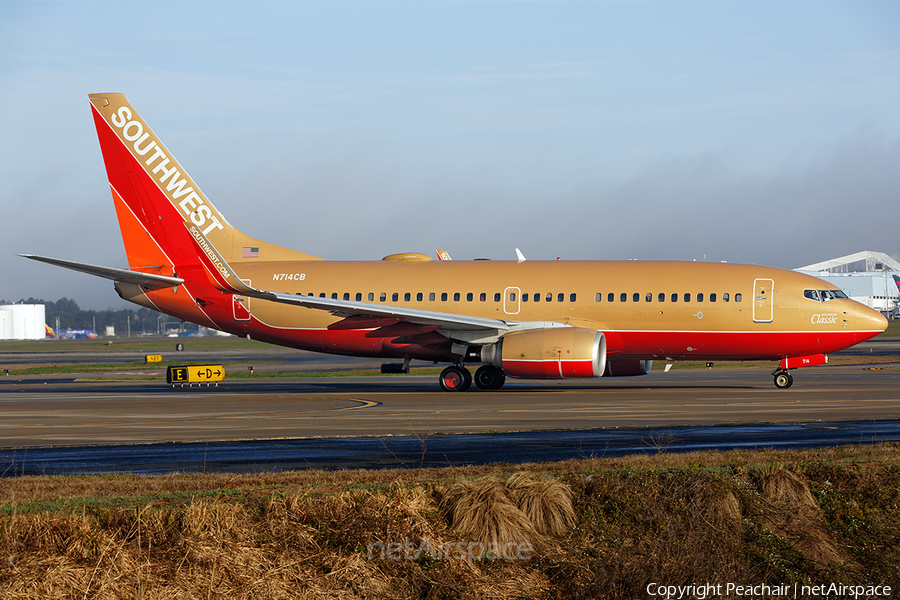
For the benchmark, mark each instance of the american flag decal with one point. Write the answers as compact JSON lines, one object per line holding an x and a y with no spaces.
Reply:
{"x":251,"y":252}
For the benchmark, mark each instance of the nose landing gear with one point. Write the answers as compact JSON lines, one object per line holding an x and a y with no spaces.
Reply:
{"x":783,"y":379}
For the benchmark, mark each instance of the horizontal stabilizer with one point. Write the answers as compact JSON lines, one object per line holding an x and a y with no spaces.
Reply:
{"x":145,"y":280}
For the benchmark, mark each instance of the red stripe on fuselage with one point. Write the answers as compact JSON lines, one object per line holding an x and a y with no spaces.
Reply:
{"x":732,"y":345}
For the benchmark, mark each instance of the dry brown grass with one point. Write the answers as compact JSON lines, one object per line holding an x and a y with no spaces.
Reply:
{"x":798,"y":517}
{"x":483,"y":511}
{"x":603,"y":528}
{"x":545,"y":502}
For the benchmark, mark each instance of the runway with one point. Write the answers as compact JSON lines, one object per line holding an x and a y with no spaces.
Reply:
{"x":58,"y":424}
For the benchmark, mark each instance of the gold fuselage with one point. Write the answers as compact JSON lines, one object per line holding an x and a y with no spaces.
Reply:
{"x":647,"y":309}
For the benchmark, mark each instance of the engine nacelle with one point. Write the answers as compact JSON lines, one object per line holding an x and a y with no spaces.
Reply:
{"x":627,"y":368}
{"x":551,"y":353}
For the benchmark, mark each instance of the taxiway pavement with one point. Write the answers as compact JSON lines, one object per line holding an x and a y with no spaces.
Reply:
{"x":64,"y":413}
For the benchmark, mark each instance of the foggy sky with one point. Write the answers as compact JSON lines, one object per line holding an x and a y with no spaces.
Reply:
{"x":765,"y":133}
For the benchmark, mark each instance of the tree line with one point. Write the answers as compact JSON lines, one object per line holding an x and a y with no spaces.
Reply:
{"x":71,"y":316}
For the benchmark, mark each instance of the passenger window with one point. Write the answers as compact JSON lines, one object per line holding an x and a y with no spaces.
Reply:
{"x":560,"y":297}
{"x":537,"y":297}
{"x":725,"y":297}
{"x":610,"y":297}
{"x":321,"y":294}
{"x":524,"y":297}
{"x":334,"y":295}
{"x":700,"y":297}
{"x":635,"y":297}
{"x":497,"y":297}
{"x":598,"y":297}
{"x":358,"y":296}
{"x":623,"y":297}
{"x":395,"y":296}
{"x":661,"y":297}
{"x":549,"y":297}
{"x":687,"y":297}
{"x":382,"y":297}
{"x":648,"y":297}
{"x":431,"y":296}
{"x":512,"y":296}
{"x":469,"y":297}
{"x":419,"y":297}
{"x":674,"y":297}
{"x":443,"y":296}
{"x":712,"y":297}
{"x":482,"y":296}
{"x":737,"y":297}
{"x":456,"y":297}
{"x":571,"y":297}
{"x":407,"y":297}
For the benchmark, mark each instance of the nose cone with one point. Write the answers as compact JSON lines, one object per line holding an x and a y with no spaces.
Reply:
{"x":869,"y":322}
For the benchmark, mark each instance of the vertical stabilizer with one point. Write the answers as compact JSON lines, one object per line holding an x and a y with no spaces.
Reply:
{"x":154,"y":195}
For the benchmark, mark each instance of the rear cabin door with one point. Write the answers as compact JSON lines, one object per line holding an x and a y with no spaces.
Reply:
{"x":241,"y":305}
{"x":763,"y":300}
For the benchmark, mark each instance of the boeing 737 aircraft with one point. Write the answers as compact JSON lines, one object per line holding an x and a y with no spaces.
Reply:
{"x":526,"y":319}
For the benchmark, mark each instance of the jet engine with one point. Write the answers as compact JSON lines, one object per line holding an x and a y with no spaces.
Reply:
{"x":551,"y":353}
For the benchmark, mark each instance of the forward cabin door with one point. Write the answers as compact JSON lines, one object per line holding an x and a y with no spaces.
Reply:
{"x":763,"y":300}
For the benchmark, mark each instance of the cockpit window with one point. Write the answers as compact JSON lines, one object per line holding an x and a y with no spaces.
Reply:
{"x":823,"y":295}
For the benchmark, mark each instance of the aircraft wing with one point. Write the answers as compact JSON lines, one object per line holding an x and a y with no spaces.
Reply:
{"x":225,"y":279}
{"x":145,"y":280}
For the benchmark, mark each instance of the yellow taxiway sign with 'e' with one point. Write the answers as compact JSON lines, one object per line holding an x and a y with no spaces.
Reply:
{"x":195,"y":374}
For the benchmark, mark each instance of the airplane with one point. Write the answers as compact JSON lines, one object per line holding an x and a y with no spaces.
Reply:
{"x":530,"y":319}
{"x":77,"y":334}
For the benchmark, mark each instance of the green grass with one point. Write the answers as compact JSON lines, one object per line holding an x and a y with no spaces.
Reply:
{"x":353,"y":373}
{"x":145,"y":345}
{"x":893,"y":329}
{"x":158,"y":345}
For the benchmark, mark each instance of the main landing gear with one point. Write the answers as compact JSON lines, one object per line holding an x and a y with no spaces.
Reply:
{"x":458,"y":378}
{"x":783,"y":379}
{"x":489,"y":377}
{"x":455,"y":379}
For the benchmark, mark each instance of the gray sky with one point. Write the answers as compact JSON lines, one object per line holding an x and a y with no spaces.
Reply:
{"x":765,"y":133}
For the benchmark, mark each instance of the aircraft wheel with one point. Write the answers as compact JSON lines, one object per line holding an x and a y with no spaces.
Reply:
{"x":489,"y":377}
{"x":455,"y":379}
{"x":783,"y":380}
